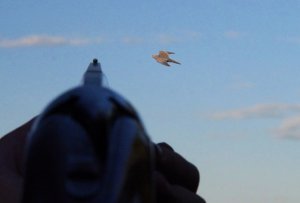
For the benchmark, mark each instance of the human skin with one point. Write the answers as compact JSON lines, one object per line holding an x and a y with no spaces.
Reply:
{"x":176,"y":179}
{"x":11,"y":163}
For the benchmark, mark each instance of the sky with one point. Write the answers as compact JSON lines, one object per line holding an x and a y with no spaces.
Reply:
{"x":232,"y":107}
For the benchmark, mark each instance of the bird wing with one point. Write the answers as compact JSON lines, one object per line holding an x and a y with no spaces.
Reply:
{"x":173,"y":61}
{"x":161,"y":59}
{"x":165,"y":63}
{"x":163,"y":54}
{"x":169,"y":52}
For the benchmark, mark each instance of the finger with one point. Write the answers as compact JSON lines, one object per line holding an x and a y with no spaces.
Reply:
{"x":12,"y":148}
{"x":166,"y":192}
{"x":176,"y":169}
{"x":11,"y":160}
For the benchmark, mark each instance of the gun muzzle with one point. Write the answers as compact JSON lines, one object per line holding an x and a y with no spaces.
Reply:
{"x":89,"y":145}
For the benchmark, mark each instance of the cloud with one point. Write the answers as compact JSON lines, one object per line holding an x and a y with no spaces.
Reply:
{"x":289,"y":128}
{"x":132,"y":40}
{"x":243,"y":85}
{"x":258,"y":111}
{"x":179,"y":37}
{"x":45,"y":40}
{"x":192,"y":35}
{"x":292,"y":40}
{"x":167,"y":39}
{"x":38,"y":40}
{"x":231,"y":34}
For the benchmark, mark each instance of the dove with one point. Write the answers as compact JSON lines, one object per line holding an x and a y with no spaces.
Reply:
{"x":163,"y":58}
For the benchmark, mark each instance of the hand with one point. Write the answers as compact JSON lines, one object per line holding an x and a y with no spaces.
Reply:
{"x":176,"y":179}
{"x":11,"y":160}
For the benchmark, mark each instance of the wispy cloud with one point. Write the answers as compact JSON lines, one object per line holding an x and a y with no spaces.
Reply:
{"x":180,"y":37}
{"x":291,"y":40}
{"x":289,"y":128}
{"x":45,"y":40}
{"x":192,"y":35}
{"x":243,"y":85}
{"x":289,"y":114}
{"x":258,"y":111}
{"x":132,"y":40}
{"x":232,"y":34}
{"x":167,"y":39}
{"x":38,"y":40}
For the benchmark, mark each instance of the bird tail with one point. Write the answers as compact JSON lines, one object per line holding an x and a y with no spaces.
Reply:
{"x":173,"y":61}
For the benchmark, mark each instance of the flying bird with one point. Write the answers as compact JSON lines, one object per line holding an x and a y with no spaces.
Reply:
{"x":163,"y":58}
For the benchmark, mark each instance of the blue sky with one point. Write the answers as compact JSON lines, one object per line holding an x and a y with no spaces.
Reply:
{"x":232,"y":107}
